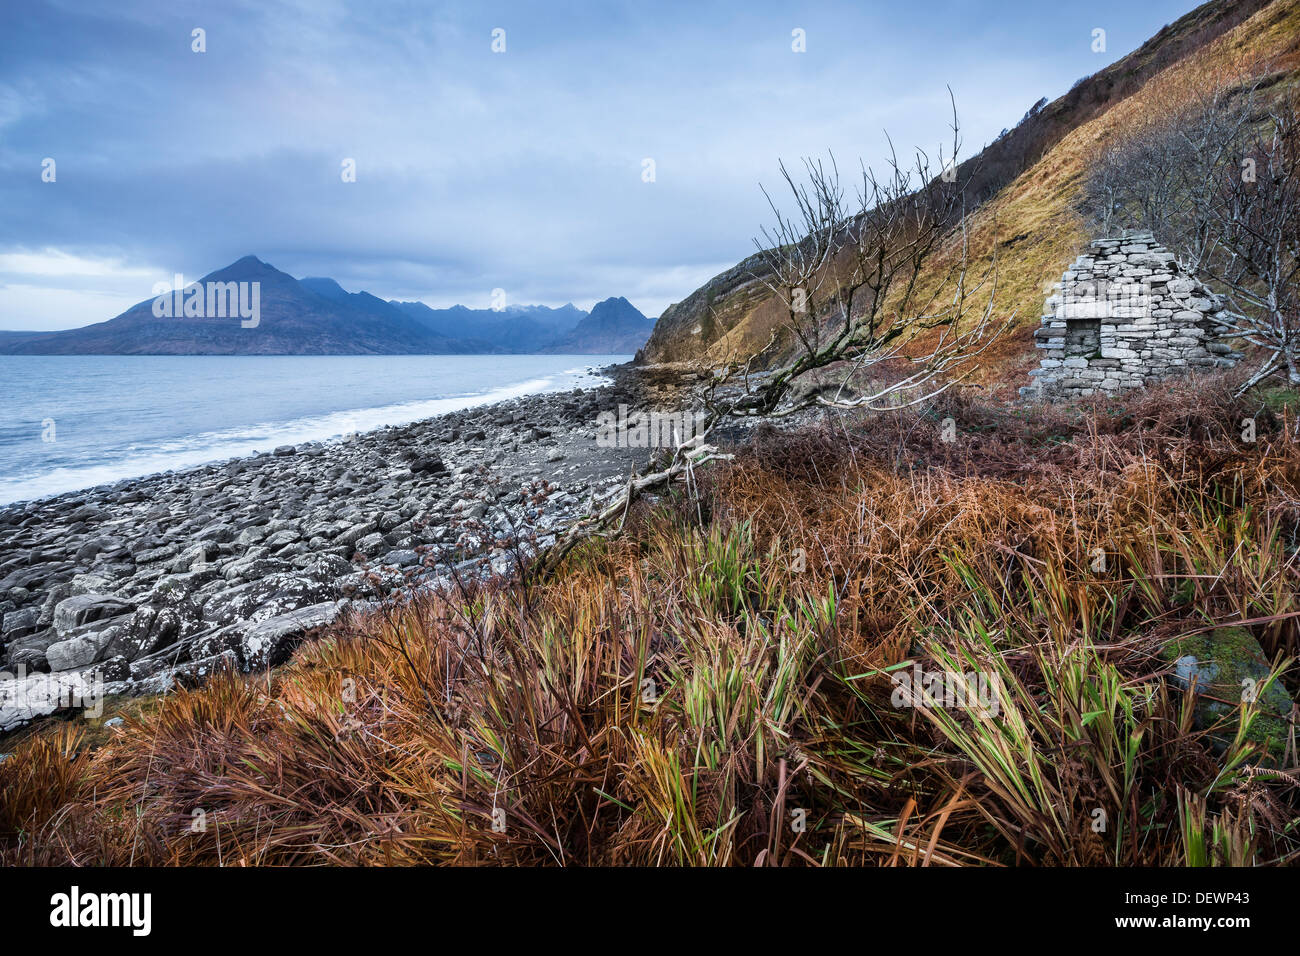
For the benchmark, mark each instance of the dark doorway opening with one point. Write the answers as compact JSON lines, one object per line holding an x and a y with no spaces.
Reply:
{"x":1083,"y":338}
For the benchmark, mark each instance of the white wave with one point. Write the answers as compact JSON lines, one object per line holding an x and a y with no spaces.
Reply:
{"x":208,"y":447}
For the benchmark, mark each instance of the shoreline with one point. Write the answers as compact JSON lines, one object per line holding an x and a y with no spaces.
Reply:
{"x":158,"y":580}
{"x":253,"y":438}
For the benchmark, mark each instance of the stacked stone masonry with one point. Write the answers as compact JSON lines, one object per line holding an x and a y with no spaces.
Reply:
{"x":1125,"y":315}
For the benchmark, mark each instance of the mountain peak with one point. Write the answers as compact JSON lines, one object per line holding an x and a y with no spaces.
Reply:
{"x":323,"y":286}
{"x":615,"y":325}
{"x":315,"y":315}
{"x":245,"y":269}
{"x":615,"y":311}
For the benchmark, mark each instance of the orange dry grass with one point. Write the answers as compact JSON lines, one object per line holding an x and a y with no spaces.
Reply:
{"x":681,"y":695}
{"x":1033,"y":225}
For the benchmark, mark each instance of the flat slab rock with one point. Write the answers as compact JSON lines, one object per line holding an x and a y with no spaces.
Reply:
{"x":270,"y":642}
{"x":260,"y":645}
{"x":82,"y":609}
{"x":1227,"y":668}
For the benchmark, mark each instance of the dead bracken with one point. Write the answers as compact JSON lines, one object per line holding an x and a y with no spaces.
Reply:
{"x":686,"y":692}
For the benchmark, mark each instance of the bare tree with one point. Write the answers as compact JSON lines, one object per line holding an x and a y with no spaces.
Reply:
{"x":1254,"y":214}
{"x":1208,"y":131}
{"x":876,"y":292}
{"x":1160,"y":177}
{"x":879,"y":287}
{"x":1218,"y":181}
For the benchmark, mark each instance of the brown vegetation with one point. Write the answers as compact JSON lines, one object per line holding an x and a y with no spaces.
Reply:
{"x":689,"y":692}
{"x":1032,"y":222}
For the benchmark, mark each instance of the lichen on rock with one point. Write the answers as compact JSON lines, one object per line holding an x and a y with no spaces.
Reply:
{"x":1227,"y":668}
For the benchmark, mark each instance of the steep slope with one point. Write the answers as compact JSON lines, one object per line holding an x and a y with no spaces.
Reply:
{"x":1029,"y":181}
{"x":614,"y":327}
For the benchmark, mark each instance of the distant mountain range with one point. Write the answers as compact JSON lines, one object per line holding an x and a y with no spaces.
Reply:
{"x":614,"y":326}
{"x":528,"y":328}
{"x":317,"y":316}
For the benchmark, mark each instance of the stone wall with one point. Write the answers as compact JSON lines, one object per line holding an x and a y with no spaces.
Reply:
{"x":1124,"y":315}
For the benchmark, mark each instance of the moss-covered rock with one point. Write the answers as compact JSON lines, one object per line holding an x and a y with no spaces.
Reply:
{"x":1228,"y":666}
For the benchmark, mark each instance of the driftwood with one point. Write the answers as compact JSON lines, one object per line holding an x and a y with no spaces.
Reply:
{"x":686,"y":458}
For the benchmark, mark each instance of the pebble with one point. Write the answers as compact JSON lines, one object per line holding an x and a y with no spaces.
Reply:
{"x":158,"y":580}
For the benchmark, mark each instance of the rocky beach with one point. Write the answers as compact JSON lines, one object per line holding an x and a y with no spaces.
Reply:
{"x":800,"y":438}
{"x":134,"y":587}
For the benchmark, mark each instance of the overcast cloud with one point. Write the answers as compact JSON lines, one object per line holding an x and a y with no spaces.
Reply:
{"x":474,"y":170}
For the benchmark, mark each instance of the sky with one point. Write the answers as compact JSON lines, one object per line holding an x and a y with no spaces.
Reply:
{"x":522,"y":170}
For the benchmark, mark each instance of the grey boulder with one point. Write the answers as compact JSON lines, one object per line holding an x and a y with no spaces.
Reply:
{"x":82,"y":609}
{"x":272,"y":641}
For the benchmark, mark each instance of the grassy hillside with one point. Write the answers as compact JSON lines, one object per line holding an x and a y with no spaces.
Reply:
{"x":1032,"y":222}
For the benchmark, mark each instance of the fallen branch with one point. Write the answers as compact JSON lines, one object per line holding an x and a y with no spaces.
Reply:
{"x":687,"y":456}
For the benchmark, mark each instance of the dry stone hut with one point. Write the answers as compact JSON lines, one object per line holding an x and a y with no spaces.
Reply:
{"x":1125,"y":315}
